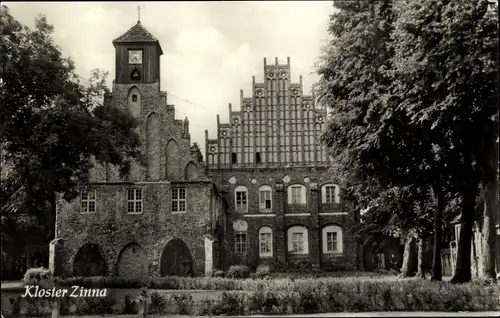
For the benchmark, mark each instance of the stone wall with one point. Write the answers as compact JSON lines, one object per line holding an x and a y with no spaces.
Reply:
{"x":165,"y":140}
{"x":122,"y":238}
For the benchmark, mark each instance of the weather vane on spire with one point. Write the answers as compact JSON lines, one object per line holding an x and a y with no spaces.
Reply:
{"x":139,"y":7}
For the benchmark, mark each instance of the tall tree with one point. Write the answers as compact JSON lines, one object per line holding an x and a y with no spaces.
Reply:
{"x":368,"y":134}
{"x":52,"y":125}
{"x":445,"y":74}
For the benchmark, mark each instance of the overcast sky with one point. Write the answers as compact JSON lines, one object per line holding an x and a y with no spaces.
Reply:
{"x":211,"y":49}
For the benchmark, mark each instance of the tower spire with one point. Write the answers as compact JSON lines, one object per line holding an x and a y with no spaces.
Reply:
{"x":139,"y":7}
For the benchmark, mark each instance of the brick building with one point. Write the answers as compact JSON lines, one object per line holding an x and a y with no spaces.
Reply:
{"x":163,"y":218}
{"x":286,"y":207}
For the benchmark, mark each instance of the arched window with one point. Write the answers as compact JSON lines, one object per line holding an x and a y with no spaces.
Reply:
{"x":241,"y":199}
{"x":296,"y":194}
{"x":265,"y":242}
{"x":134,"y":102}
{"x":330,"y":193}
{"x":265,"y":198}
{"x":298,"y":240}
{"x":332,"y":239}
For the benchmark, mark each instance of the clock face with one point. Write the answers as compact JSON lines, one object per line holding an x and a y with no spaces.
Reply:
{"x":135,"y":57}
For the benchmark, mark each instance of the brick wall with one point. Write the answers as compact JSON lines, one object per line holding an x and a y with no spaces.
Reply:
{"x":314,"y":215}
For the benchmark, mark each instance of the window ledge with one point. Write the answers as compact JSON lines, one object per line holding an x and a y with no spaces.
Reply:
{"x":266,"y":256}
{"x":298,"y":254}
{"x":93,"y":212}
{"x":265,"y":210}
{"x":335,"y":254}
{"x":135,"y":213}
{"x":179,"y":212}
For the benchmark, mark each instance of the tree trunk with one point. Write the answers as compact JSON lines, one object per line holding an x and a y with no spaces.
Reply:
{"x":490,"y":189}
{"x":437,"y":267}
{"x":420,"y":262}
{"x":463,"y":269}
{"x":408,"y":268}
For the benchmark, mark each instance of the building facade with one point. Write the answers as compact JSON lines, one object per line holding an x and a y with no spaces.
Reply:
{"x":286,"y":207}
{"x":165,"y":217}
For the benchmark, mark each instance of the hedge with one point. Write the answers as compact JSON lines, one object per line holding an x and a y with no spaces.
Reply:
{"x":293,"y":297}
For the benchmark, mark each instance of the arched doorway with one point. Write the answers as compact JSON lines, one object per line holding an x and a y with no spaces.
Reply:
{"x":176,"y":259}
{"x":89,"y":261}
{"x":133,"y":261}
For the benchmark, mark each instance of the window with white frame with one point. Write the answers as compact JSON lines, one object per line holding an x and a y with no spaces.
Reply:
{"x":266,"y":242}
{"x":178,"y":200}
{"x":298,"y":240}
{"x":88,"y":200}
{"x":265,"y":198}
{"x":330,"y":193}
{"x":240,"y":242}
{"x":241,"y":199}
{"x":296,"y":194}
{"x":134,"y":201}
{"x":332,"y":239}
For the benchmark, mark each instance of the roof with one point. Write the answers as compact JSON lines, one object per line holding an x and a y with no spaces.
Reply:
{"x":135,"y":34}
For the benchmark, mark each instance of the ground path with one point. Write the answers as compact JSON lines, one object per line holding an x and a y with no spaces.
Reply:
{"x":335,"y":314}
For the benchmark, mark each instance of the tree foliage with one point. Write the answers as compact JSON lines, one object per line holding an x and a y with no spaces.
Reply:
{"x":411,"y":88}
{"x":53,"y":125}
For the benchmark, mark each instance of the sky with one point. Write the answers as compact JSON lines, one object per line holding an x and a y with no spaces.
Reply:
{"x":211,"y":49}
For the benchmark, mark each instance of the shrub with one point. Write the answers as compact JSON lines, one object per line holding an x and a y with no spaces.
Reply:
{"x":218,"y":274}
{"x":95,"y":306}
{"x":15,"y":305}
{"x":285,"y":296}
{"x":263,"y":271}
{"x":184,"y":303}
{"x":65,"y":305}
{"x":35,"y":276}
{"x":130,"y":306}
{"x":35,"y":307}
{"x":238,"y":271}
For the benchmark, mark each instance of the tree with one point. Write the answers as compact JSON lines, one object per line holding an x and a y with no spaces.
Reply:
{"x":367,"y":134}
{"x":444,"y":64}
{"x":52,"y":126}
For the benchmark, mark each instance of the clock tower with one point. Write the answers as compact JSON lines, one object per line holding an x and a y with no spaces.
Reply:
{"x":137,"y":57}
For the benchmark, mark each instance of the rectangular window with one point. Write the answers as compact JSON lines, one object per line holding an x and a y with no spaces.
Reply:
{"x":265,"y":200}
{"x":257,"y":157}
{"x":134,"y":201}
{"x":234,"y":158}
{"x":331,"y":241}
{"x":265,"y":244}
{"x":296,"y":195}
{"x":241,"y":201}
{"x":178,"y":200}
{"x":329,"y":194}
{"x":240,"y":243}
{"x":88,"y":199}
{"x":298,"y":242}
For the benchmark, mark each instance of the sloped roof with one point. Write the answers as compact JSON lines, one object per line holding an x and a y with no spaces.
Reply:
{"x":135,"y":34}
